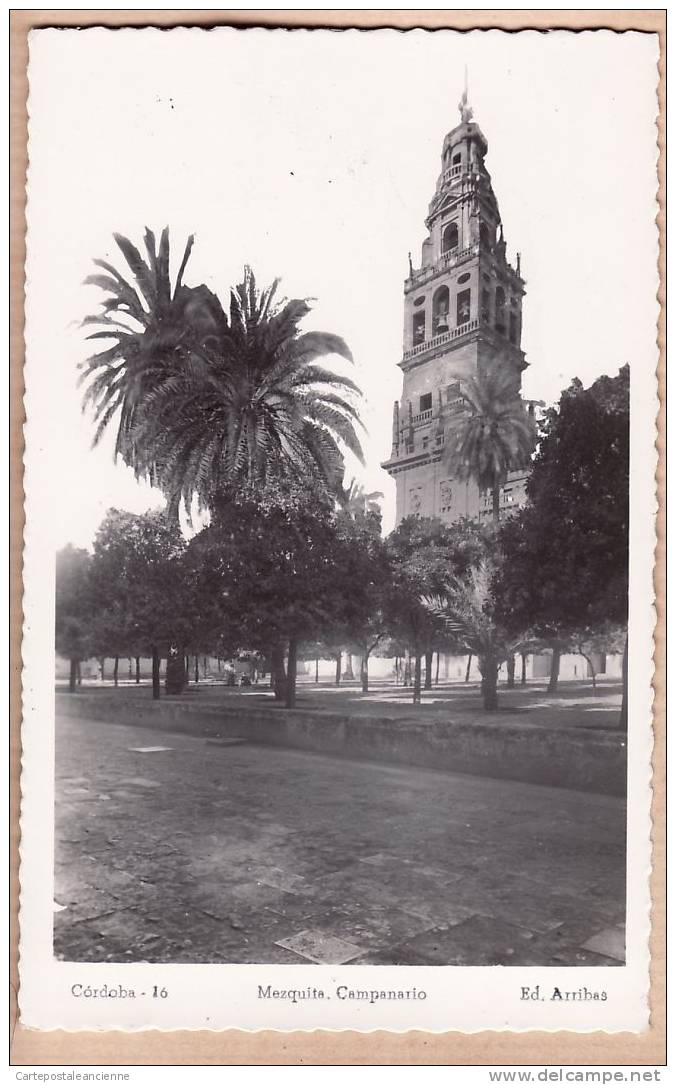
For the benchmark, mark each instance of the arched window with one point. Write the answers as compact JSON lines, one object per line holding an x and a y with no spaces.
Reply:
{"x":486,"y":305}
{"x":485,"y":235}
{"x":500,"y":310}
{"x":450,"y":238}
{"x":418,"y":328}
{"x":513,"y":327}
{"x":440,"y":304}
{"x":464,"y":306}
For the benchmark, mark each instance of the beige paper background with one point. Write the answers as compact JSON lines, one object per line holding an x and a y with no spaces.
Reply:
{"x":233,"y":1047}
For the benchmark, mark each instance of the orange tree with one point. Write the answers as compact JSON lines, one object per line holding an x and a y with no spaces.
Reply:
{"x":280,"y":572}
{"x":565,"y":571}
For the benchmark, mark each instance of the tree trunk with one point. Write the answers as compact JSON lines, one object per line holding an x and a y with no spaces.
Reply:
{"x":429,"y":656}
{"x":187,"y":669}
{"x":156,"y":674}
{"x":277,"y":673}
{"x":138,"y":670}
{"x":204,"y":666}
{"x":316,"y":670}
{"x":436,"y":674}
{"x":79,"y":673}
{"x":590,"y":664}
{"x":511,"y":668}
{"x":197,"y":668}
{"x":339,"y":663}
{"x":523,"y":668}
{"x":624,"y":710}
{"x":102,"y":662}
{"x":407,"y":668}
{"x":554,"y":673}
{"x":219,"y":663}
{"x":489,"y":682}
{"x":417,"y":675}
{"x":496,"y":502}
{"x":348,"y":672}
{"x":291,"y":673}
{"x":72,"y":678}
{"x":116,"y":667}
{"x":469,"y":667}
{"x":364,"y":673}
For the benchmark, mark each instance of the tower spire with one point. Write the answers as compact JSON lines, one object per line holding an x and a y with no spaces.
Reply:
{"x":466,"y":111}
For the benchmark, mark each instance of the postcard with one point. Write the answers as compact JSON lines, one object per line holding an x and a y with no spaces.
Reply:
{"x":341,"y":401}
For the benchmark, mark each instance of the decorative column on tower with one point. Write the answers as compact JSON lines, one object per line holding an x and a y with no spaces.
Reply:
{"x":462,"y":317}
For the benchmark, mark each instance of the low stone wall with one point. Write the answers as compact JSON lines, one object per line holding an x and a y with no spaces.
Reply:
{"x":560,"y":757}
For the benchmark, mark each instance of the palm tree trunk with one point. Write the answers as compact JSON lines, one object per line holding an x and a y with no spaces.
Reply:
{"x":156,"y":673}
{"x":116,"y":667}
{"x":511,"y":668}
{"x":291,"y":673}
{"x":469,"y":667}
{"x":554,"y":673}
{"x":488,"y":666}
{"x":624,"y":710}
{"x":496,"y":502}
{"x":339,"y":663}
{"x":417,"y":675}
{"x":72,"y":678}
{"x":428,"y":669}
{"x":523,"y":668}
{"x":138,"y":670}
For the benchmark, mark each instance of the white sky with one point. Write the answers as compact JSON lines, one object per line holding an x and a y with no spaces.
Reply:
{"x":313,"y":155}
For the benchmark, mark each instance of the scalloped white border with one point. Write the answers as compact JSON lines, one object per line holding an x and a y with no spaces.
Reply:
{"x":224,"y":996}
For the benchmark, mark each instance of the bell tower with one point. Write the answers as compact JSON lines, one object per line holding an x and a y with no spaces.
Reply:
{"x":462,"y":317}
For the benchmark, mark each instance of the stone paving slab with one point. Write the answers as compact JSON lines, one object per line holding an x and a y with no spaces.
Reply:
{"x":262,"y":855}
{"x":608,"y":942}
{"x":321,"y":948}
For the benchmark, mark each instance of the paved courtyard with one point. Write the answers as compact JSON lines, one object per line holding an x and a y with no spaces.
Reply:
{"x":175,"y":848}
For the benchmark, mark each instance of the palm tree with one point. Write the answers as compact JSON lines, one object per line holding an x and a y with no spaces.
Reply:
{"x":467,"y":612}
{"x":356,"y":501}
{"x":154,"y":330}
{"x":207,"y":401}
{"x":254,"y":406}
{"x":494,"y":434}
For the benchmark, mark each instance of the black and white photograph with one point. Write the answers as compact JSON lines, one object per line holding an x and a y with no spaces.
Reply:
{"x":341,"y":396}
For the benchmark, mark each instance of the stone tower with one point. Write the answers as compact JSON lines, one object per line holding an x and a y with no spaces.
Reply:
{"x":462,"y":316}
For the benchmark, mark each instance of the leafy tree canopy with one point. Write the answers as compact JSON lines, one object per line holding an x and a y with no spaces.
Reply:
{"x":142,"y":594}
{"x":74,"y":609}
{"x":566,"y":552}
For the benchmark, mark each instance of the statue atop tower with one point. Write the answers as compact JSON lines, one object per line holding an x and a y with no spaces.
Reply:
{"x":466,"y":111}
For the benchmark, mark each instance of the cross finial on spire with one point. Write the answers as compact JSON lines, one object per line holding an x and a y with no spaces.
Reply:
{"x":466,"y":111}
